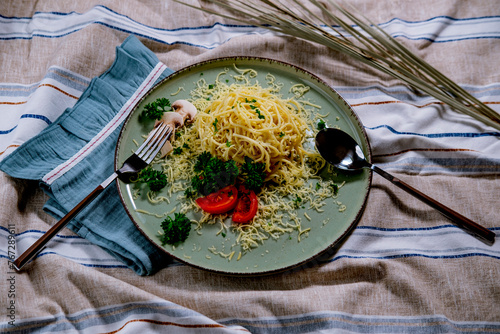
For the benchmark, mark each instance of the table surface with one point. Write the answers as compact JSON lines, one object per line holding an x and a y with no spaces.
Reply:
{"x":403,"y":268}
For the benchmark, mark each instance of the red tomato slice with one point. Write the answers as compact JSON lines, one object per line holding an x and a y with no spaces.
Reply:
{"x":219,"y":202}
{"x":247,"y":206}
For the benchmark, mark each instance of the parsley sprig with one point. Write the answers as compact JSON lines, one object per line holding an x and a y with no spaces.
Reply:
{"x":253,"y":174}
{"x":213,"y":174}
{"x":321,"y":124}
{"x":175,"y":230}
{"x":155,"y":179}
{"x":155,"y":109}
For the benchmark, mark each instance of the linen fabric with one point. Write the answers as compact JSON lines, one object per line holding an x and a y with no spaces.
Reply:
{"x":75,"y":153}
{"x":404,"y":268}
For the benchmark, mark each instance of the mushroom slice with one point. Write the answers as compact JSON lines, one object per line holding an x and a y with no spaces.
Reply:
{"x":186,"y":109}
{"x":173,"y":121}
{"x":166,"y":149}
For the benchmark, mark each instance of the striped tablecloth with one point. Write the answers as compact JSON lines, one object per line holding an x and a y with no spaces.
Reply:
{"x":405,"y":268}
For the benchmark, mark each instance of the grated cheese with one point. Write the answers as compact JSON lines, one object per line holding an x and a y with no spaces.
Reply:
{"x":278,"y":139}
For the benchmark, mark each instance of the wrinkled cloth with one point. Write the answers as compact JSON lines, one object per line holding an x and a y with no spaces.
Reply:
{"x":404,"y":268}
{"x":74,"y":154}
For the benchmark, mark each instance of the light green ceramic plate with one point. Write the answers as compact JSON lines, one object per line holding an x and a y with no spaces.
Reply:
{"x":273,"y":255}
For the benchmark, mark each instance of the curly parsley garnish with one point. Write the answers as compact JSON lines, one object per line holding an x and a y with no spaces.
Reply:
{"x":213,"y":174}
{"x":253,"y":174}
{"x":155,"y":109}
{"x":321,"y":124}
{"x":175,"y":230}
{"x":155,"y":179}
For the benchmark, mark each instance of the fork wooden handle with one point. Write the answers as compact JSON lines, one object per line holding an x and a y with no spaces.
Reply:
{"x":38,"y":245}
{"x":469,"y":226}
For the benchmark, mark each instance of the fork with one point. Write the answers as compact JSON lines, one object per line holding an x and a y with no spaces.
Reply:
{"x":139,"y":160}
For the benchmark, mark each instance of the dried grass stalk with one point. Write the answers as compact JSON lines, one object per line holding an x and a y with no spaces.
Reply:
{"x":358,"y":38}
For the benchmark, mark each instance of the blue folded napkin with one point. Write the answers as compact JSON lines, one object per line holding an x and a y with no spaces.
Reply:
{"x":75,"y":154}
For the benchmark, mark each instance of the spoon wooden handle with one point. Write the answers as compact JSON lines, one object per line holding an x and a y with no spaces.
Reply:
{"x":464,"y":223}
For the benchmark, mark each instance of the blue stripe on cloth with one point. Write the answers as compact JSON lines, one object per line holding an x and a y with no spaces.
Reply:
{"x":408,"y":255}
{"x":443,"y":165}
{"x":110,"y":318}
{"x":437,"y":135}
{"x":355,"y":323}
{"x":60,"y":75}
{"x":468,"y":250}
{"x":320,"y":261}
{"x":71,"y":247}
{"x":32,"y":116}
{"x":403,"y":93}
{"x":40,"y":117}
{"x":409,"y":228}
{"x":385,"y":229}
{"x":445,"y":18}
{"x":2,"y":256}
{"x":378,"y":243}
{"x":416,"y":30}
{"x":4,"y":132}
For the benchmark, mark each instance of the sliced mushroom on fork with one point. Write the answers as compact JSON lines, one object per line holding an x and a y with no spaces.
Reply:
{"x":183,"y":111}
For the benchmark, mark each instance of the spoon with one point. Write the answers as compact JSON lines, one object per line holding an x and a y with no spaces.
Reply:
{"x":341,"y":150}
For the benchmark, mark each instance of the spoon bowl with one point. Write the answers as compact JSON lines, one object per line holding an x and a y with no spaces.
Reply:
{"x":342,"y":151}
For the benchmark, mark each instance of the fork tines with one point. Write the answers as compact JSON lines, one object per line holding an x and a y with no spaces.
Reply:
{"x":155,"y":141}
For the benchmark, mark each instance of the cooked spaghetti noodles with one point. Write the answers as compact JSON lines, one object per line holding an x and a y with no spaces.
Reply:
{"x":244,"y":119}
{"x":251,"y":121}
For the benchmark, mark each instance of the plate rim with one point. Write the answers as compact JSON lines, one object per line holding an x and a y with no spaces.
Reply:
{"x":330,"y":247}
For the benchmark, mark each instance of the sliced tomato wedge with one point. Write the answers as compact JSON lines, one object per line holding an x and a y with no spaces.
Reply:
{"x":218,"y":202}
{"x":247,"y":206}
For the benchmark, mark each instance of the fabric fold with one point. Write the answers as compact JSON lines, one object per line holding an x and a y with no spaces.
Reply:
{"x":75,"y":154}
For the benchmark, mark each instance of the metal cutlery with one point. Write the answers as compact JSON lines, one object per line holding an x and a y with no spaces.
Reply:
{"x":139,"y":160}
